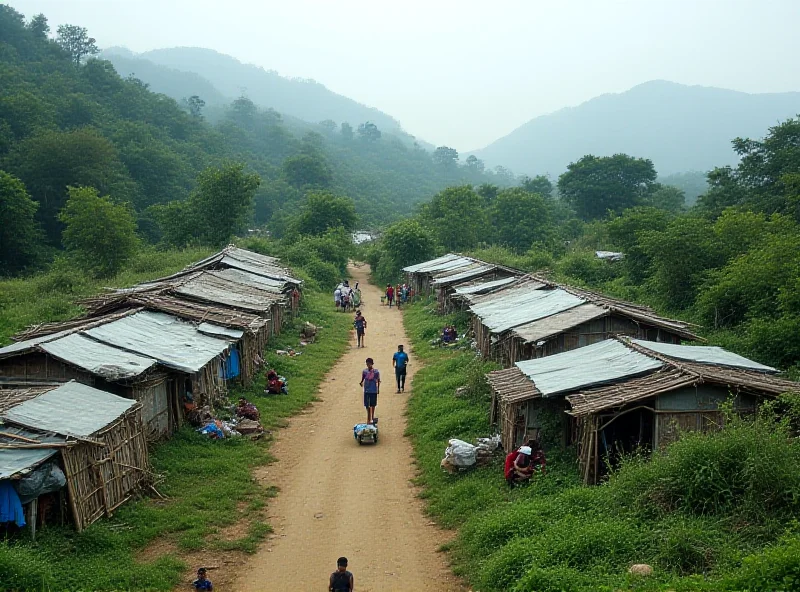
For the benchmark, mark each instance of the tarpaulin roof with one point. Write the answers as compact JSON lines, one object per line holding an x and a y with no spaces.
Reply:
{"x":98,"y":358}
{"x":20,"y":460}
{"x":473,"y":271}
{"x":703,"y":354}
{"x":217,"y":331}
{"x":72,"y":409}
{"x":600,"y":363}
{"x":173,"y":342}
{"x":522,"y":306}
{"x":30,"y":344}
{"x":559,"y":322}
{"x":484,"y":286}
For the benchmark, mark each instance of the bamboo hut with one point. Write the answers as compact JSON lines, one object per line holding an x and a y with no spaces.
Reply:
{"x":446,"y":283}
{"x":96,"y":438}
{"x":420,"y":276}
{"x":532,"y":318}
{"x":627,"y":394}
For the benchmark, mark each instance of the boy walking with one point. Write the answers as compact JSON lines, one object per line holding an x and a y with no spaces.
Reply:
{"x":390,"y":294}
{"x":361,"y":326}
{"x":371,"y":381}
{"x":341,"y":579}
{"x":400,"y":361}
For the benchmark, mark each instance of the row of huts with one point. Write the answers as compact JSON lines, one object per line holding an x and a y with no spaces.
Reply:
{"x":606,"y":375}
{"x":147,"y":354}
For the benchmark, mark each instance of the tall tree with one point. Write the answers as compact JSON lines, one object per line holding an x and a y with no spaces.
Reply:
{"x":445,"y":156}
{"x":347,"y":131}
{"x":519,"y":218}
{"x":369,"y":131}
{"x":222,"y":203}
{"x":596,"y":185}
{"x":539,"y":184}
{"x":474,"y":163}
{"x":20,"y":236}
{"x":76,"y":42}
{"x":323,"y":211}
{"x":457,"y":218}
{"x":39,"y":27}
{"x":100,"y":234}
{"x":194,"y":105}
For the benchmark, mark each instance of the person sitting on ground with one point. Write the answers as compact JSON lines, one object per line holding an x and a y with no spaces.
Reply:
{"x":360,"y":324}
{"x":371,"y":381}
{"x":449,"y":334}
{"x":341,"y":580}
{"x":202,"y":582}
{"x":537,"y":456}
{"x":275,"y":386}
{"x":521,"y":464}
{"x":400,"y":363}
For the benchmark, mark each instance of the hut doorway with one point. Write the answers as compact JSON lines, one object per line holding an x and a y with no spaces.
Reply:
{"x":623,"y":434}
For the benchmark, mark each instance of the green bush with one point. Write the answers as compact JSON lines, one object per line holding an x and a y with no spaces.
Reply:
{"x":776,"y":568}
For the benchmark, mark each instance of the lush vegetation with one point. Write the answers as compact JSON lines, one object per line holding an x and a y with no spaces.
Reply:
{"x":68,"y":120}
{"x":208,"y":485}
{"x":715,"y":511}
{"x":731,"y":263}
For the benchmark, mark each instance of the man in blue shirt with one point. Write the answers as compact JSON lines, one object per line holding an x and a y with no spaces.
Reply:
{"x":400,"y":361}
{"x":202,"y":582}
{"x":371,"y":381}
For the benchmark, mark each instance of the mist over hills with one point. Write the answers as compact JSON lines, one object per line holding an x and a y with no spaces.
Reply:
{"x":680,"y":128}
{"x":218,"y":78}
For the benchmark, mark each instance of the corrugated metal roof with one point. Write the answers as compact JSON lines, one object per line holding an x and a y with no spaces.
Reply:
{"x":703,"y":354}
{"x":431,"y":263}
{"x":600,"y":363}
{"x":269,"y":271}
{"x":98,"y":358}
{"x":30,"y":344}
{"x":465,"y":275}
{"x":21,"y":460}
{"x":217,"y":331}
{"x":214,"y":289}
{"x":173,"y":342}
{"x":559,"y":322}
{"x":72,"y":409}
{"x":251,"y":279}
{"x":484,"y":287}
{"x":522,"y":306}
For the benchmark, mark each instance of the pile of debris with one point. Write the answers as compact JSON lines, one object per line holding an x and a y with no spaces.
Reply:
{"x":461,"y":455}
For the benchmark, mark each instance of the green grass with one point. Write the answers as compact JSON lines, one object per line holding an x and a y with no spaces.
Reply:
{"x":716,"y":512}
{"x":208,"y":484}
{"x":51,"y":296}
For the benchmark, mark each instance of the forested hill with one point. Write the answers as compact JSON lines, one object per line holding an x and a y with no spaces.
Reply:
{"x":680,"y":128}
{"x":304,"y":99}
{"x":67,"y":119}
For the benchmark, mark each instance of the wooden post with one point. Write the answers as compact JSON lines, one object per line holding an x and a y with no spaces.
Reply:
{"x":34,"y":516}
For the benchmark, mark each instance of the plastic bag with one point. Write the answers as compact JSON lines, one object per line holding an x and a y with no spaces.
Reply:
{"x":45,"y":479}
{"x":460,"y":453}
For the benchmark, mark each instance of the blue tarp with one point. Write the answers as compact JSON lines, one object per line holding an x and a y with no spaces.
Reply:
{"x":231,"y":367}
{"x":10,"y":506}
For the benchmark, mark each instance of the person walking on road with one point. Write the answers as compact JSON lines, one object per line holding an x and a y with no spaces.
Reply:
{"x":360,"y":323}
{"x":400,"y":362}
{"x":341,"y":580}
{"x":371,"y":381}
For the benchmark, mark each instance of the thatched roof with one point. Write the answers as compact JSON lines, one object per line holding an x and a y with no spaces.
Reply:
{"x":512,"y":386}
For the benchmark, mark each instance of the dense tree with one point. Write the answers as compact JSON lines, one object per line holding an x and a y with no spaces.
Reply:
{"x":323,"y":211}
{"x":519,"y":218}
{"x":666,"y":197}
{"x":76,"y":42}
{"x":456,"y":218}
{"x":194,"y":105}
{"x":39,"y":27}
{"x":445,"y":156}
{"x":50,"y":161}
{"x":488,"y":191}
{"x":595,"y":185}
{"x":222,"y":203}
{"x":307,"y":170}
{"x":329,"y":125}
{"x":539,"y":184}
{"x":347,"y":131}
{"x":625,"y":234}
{"x":100,"y":234}
{"x":408,"y":242}
{"x":369,"y":131}
{"x":474,"y":163}
{"x":20,"y":235}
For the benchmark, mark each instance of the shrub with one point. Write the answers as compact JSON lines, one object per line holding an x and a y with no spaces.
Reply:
{"x":776,"y":568}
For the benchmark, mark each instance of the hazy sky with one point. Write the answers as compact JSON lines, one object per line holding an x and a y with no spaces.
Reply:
{"x":466,"y":72}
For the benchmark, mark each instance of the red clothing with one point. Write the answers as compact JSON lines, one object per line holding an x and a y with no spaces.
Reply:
{"x":510,"y":458}
{"x":390,"y":293}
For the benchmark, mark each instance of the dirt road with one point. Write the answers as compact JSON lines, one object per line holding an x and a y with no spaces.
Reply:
{"x":338,"y":498}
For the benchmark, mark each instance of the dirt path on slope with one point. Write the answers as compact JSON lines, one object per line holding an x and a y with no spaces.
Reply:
{"x":338,"y":498}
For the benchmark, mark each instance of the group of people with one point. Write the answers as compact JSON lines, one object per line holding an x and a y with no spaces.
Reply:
{"x":340,"y":581}
{"x":449,"y":334}
{"x":399,"y":294}
{"x":371,"y":381}
{"x":345,"y":297}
